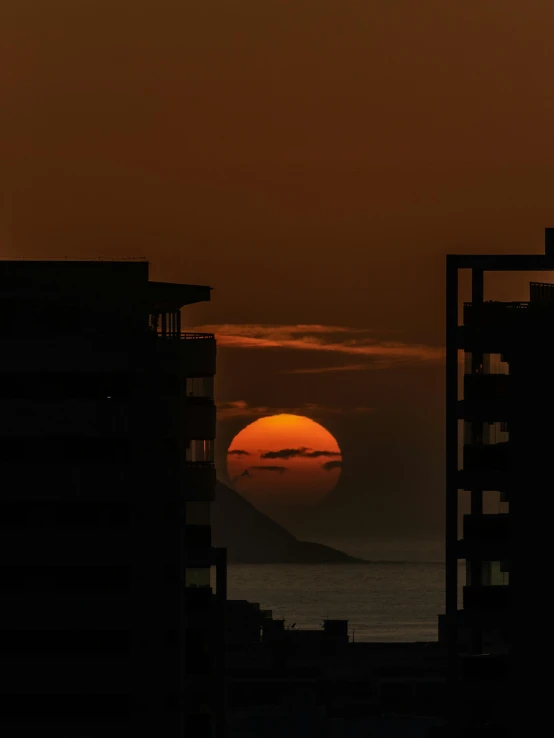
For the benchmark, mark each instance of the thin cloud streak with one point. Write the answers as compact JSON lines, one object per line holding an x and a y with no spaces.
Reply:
{"x":343,"y":368}
{"x":276,"y":469}
{"x":329,"y":339}
{"x":241,"y":409}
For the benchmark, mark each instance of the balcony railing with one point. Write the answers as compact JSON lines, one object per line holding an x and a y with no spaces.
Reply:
{"x":495,"y":598}
{"x":487,"y":457}
{"x":492,"y":306}
{"x":487,"y":527}
{"x":184,"y":335}
{"x":486,"y":397}
{"x":198,"y":481}
{"x":198,"y":536}
{"x":542,"y":293}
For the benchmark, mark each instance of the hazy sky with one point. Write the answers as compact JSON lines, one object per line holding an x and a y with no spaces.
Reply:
{"x":313,"y":161}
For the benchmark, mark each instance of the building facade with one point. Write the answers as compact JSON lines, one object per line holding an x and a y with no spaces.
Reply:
{"x":111,"y":620}
{"x":499,"y":443}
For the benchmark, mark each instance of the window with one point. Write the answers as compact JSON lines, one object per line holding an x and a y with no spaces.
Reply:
{"x":198,"y":577}
{"x":495,"y":574}
{"x":488,"y":434}
{"x":495,"y":433}
{"x":199,"y":387}
{"x":495,"y":502}
{"x":491,"y":364}
{"x":66,"y":385}
{"x":200,"y":451}
{"x":495,"y":364}
{"x":468,"y":433}
{"x":198,"y":513}
{"x":57,"y":642}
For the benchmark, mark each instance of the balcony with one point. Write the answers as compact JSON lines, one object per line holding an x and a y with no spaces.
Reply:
{"x":492,"y":598}
{"x":198,"y":536}
{"x":487,"y":457}
{"x":66,"y":611}
{"x":105,"y":418}
{"x":183,"y":335}
{"x":194,"y":353}
{"x":499,"y":479}
{"x":30,"y":547}
{"x":62,"y":712}
{"x":198,"y":418}
{"x":478,"y":668}
{"x":486,"y":397}
{"x":491,"y":311}
{"x":199,"y":600}
{"x":73,"y":514}
{"x":486,"y":537}
{"x":490,"y":326}
{"x":58,"y":674}
{"x":198,"y":481}
{"x":486,"y":527}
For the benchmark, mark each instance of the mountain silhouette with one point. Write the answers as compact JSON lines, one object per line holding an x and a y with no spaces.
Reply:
{"x":251,"y":537}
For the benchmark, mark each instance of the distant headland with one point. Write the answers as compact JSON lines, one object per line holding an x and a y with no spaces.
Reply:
{"x":251,"y":537}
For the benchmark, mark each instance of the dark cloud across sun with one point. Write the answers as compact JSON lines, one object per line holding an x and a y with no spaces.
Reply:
{"x":265,"y":468}
{"x":330,"y":465}
{"x":294,"y":453}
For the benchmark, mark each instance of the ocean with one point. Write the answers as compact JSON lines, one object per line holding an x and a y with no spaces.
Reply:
{"x":398,"y":596}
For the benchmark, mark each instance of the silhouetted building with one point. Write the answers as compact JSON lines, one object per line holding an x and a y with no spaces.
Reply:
{"x":503,"y":428}
{"x":319,"y":682}
{"x":109,"y":625}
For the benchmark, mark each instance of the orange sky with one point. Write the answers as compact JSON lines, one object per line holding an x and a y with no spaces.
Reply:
{"x":313,"y":161}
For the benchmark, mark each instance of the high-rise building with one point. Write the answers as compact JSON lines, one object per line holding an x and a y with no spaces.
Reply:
{"x":111,"y":595}
{"x":499,"y":444}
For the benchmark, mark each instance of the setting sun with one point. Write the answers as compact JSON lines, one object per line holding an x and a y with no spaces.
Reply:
{"x":286,"y":459}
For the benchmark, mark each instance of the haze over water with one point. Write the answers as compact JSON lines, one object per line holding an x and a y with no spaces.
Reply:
{"x":396,"y":597}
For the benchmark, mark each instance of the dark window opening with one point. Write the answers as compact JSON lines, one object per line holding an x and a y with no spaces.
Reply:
{"x":64,"y":579}
{"x":63,"y":449}
{"x":56,"y":642}
{"x":72,"y":514}
{"x":66,"y":385}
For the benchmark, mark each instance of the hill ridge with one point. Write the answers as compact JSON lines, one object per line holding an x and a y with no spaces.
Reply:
{"x":251,"y":537}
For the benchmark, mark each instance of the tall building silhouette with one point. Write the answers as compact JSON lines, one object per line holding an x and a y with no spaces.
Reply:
{"x":499,"y":444}
{"x":111,"y":596}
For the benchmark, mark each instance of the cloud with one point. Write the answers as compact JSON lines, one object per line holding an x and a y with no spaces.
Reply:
{"x":284,"y":453}
{"x":276,"y":469}
{"x":238,"y":452}
{"x":241,"y":409}
{"x":339,"y":368}
{"x":339,"y":340}
{"x":303,"y":452}
{"x":317,"y":454}
{"x":330,"y":465}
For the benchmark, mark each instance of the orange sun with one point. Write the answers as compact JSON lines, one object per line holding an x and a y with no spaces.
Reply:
{"x":284,"y":459}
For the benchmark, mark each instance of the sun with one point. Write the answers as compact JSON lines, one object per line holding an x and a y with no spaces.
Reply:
{"x":284,"y":460}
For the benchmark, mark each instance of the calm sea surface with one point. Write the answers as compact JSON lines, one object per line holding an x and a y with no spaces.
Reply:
{"x":396,"y":597}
